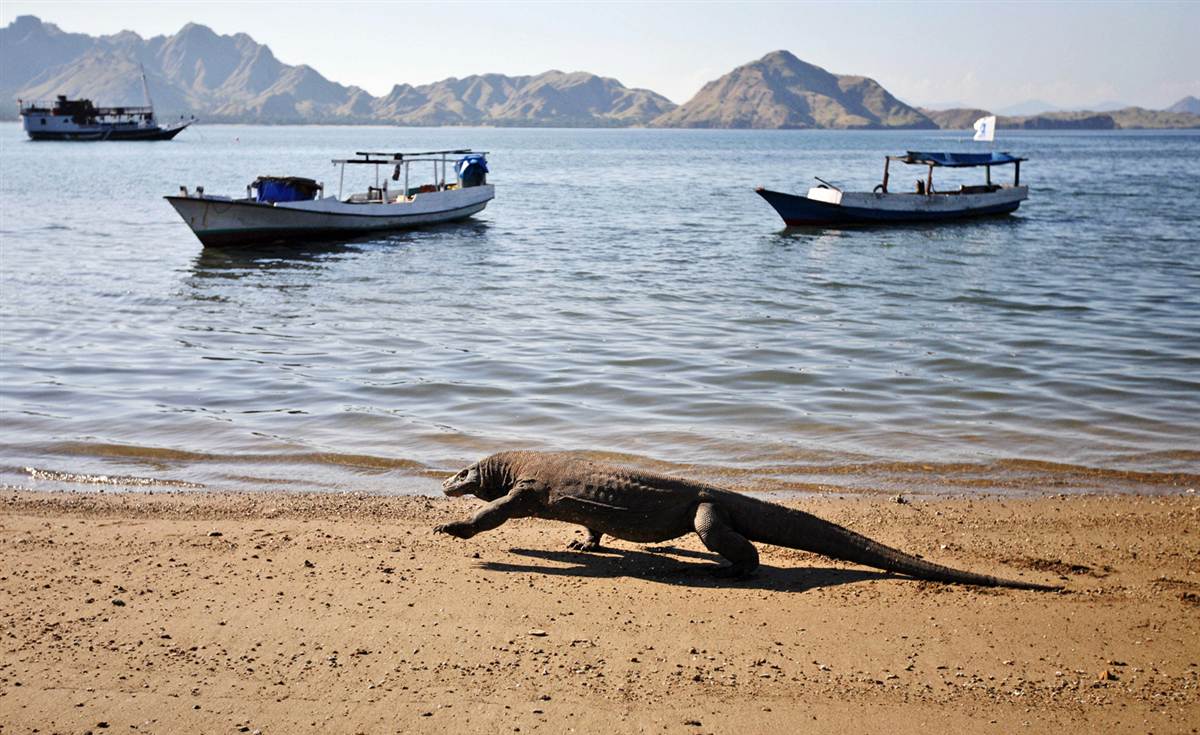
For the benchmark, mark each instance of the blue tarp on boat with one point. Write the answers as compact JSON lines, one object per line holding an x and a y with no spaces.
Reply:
{"x":472,"y":169}
{"x":960,"y":160}
{"x":285,"y":189}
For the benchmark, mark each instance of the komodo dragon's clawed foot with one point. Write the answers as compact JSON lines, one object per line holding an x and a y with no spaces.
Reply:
{"x":732,"y":571}
{"x":591,"y":543}
{"x":456,"y":528}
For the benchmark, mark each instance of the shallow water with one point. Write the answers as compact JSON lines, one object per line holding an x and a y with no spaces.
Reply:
{"x":627,"y":293}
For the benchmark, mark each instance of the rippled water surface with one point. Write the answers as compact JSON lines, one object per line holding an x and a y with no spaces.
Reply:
{"x":626,"y":293}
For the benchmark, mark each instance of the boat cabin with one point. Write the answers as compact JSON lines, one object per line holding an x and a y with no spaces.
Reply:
{"x":84,"y":112}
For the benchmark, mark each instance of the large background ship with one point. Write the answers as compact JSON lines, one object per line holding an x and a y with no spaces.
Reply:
{"x":67,"y":119}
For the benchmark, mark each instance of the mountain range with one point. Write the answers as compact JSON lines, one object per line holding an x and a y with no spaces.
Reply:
{"x":235,"y":79}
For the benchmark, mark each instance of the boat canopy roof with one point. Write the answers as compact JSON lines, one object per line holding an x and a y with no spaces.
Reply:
{"x":377,"y":157}
{"x":957,"y":160}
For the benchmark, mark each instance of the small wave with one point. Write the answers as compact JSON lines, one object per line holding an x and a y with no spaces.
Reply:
{"x":1010,"y":305}
{"x":122,"y":480}
{"x":162,"y":454}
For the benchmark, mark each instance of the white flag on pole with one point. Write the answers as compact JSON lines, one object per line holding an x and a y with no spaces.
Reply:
{"x":985,"y":128}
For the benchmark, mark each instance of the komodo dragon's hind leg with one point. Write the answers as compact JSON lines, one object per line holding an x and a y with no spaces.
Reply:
{"x":718,"y":536}
{"x":591,"y":544}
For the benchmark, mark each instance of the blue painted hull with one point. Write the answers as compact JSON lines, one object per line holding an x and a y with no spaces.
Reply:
{"x":798,"y":211}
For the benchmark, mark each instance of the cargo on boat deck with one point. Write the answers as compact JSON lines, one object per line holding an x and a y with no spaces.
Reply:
{"x":285,"y":189}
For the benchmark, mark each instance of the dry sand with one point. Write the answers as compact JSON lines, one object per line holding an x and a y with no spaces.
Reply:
{"x":283,"y":614}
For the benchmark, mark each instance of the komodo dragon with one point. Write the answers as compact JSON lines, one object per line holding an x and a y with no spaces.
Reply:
{"x":651,"y":508}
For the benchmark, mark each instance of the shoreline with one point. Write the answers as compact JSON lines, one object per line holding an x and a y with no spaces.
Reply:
{"x":279,"y":612}
{"x":781,"y":478}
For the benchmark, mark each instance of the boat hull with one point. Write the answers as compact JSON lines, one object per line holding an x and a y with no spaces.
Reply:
{"x":220,"y":222}
{"x":859,"y":208}
{"x":113,"y":133}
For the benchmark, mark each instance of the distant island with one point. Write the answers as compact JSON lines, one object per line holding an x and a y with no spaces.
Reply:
{"x":781,"y":91}
{"x":1138,"y":118}
{"x":237,"y":80}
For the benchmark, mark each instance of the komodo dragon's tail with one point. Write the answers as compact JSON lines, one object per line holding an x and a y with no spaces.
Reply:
{"x":796,"y":529}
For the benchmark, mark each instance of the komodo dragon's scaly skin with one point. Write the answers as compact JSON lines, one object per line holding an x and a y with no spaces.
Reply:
{"x":651,"y":508}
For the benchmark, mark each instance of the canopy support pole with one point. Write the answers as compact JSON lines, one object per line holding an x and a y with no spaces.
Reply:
{"x":886,"y":162}
{"x":929,"y":182}
{"x":1017,"y":173}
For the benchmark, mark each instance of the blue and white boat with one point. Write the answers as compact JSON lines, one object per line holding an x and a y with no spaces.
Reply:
{"x":67,"y":119}
{"x":828,"y":205}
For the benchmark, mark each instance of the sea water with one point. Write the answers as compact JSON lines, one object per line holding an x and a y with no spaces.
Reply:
{"x":626,"y":295}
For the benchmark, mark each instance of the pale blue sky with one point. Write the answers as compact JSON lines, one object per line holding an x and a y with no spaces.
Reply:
{"x":982,"y":54}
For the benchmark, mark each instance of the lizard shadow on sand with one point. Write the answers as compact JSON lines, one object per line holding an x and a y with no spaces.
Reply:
{"x":660,"y":564}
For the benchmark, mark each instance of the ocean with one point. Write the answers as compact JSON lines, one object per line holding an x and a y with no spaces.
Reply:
{"x":626,"y":295}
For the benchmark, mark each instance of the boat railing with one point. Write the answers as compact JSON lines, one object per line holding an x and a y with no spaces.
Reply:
{"x":401,"y":161}
{"x":35,"y":105}
{"x":139,"y":110}
{"x":52,"y":106}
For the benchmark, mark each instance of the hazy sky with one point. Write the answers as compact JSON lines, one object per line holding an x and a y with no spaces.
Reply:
{"x":990,"y":55}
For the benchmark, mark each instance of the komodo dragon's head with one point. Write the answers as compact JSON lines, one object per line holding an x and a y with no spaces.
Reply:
{"x":466,"y":482}
{"x":487,"y":479}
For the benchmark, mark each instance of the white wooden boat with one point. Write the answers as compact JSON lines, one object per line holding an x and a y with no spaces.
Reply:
{"x":285,"y":208}
{"x":827,"y":205}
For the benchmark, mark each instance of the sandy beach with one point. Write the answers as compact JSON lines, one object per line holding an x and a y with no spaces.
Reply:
{"x":278,"y":613}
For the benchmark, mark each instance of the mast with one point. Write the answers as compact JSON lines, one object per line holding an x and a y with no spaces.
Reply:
{"x":145,"y":87}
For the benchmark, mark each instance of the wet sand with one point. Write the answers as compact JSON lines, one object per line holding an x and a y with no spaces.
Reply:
{"x":338,"y":613}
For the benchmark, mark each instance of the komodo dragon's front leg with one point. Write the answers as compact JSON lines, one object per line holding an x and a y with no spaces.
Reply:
{"x":718,"y":536}
{"x":520,"y":502}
